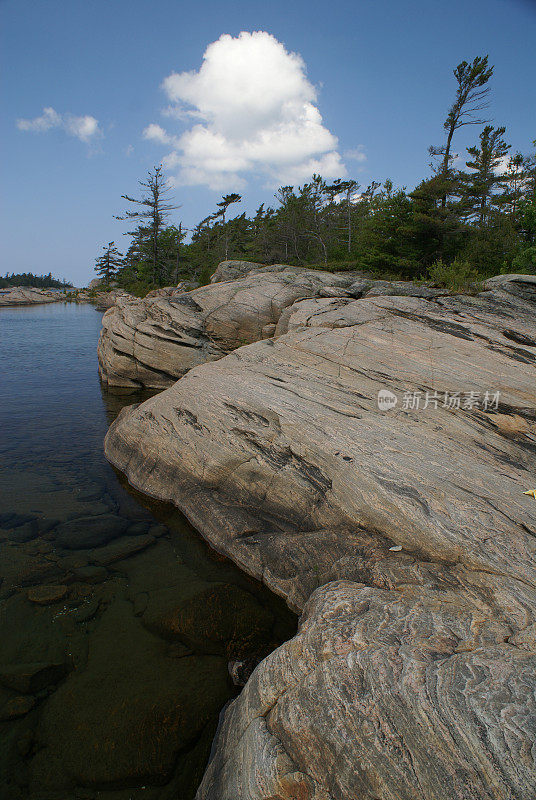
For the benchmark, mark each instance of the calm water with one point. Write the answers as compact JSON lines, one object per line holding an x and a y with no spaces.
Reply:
{"x":117,"y":622}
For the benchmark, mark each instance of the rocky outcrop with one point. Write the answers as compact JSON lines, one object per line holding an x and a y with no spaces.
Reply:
{"x":168,"y":291}
{"x":28,"y":296}
{"x":150,"y":343}
{"x":383,"y":694}
{"x":404,"y":534}
{"x":106,"y":300}
{"x":232,"y":270}
{"x":523,"y":286}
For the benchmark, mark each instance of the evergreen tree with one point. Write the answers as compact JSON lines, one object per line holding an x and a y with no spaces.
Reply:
{"x":514,"y":180}
{"x":107,"y":265}
{"x":223,"y":205}
{"x":471,"y":98}
{"x":481,"y":187}
{"x":36,"y":281}
{"x":155,"y":210}
{"x":482,"y":219}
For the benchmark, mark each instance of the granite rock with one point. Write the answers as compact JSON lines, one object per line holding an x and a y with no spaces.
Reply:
{"x":151,"y":342}
{"x":403,"y":534}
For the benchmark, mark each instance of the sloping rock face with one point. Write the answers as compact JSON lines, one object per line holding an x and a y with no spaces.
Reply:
{"x":404,"y":534}
{"x":523,"y":286}
{"x":383,"y":694}
{"x":152,"y":342}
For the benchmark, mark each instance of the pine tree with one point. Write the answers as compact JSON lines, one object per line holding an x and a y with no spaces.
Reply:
{"x":156,"y":210}
{"x":482,"y":186}
{"x":471,"y":98}
{"x":107,"y":265}
{"x":514,"y":180}
{"x":223,"y":205}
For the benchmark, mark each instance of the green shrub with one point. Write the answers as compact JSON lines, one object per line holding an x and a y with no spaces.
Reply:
{"x":525,"y":262}
{"x":138,"y":288}
{"x":205,"y":276}
{"x":456,"y":277}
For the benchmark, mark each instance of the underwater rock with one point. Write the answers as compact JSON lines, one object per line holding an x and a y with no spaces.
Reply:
{"x":45,"y":595}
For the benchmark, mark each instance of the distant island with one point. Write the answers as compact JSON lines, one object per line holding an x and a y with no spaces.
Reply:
{"x":36,"y":281}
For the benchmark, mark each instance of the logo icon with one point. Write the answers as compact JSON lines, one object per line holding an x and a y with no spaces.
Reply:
{"x":386,"y":400}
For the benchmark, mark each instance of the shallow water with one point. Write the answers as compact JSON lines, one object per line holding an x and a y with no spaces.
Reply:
{"x":117,"y":622}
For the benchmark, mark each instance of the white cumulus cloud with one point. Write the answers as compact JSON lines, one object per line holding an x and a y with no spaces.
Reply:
{"x":85,"y":128}
{"x":251,"y":109}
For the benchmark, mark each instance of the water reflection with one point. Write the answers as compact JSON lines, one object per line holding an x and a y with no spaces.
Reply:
{"x":117,"y":622}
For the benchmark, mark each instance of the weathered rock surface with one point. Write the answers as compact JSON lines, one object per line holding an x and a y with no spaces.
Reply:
{"x":523,"y":286}
{"x":152,"y":342}
{"x":27,"y":296}
{"x":405,"y":535}
{"x":105,"y":300}
{"x":232,"y":270}
{"x":383,"y":694}
{"x":167,"y":291}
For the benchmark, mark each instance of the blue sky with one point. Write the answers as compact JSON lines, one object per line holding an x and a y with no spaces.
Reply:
{"x":367,"y":93}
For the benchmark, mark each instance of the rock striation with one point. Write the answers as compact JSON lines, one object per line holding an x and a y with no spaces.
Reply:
{"x":150,"y":343}
{"x":404,"y":535}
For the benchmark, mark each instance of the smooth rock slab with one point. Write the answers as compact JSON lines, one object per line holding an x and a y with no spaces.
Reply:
{"x":152,"y":342}
{"x":280,"y":456}
{"x":414,"y":677}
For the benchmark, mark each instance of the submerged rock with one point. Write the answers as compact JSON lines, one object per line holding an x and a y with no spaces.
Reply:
{"x":221,"y":619}
{"x":96,"y":730}
{"x":404,"y":534}
{"x":91,"y":531}
{"x":16,"y":707}
{"x":32,"y":678}
{"x":121,"y":548}
{"x":45,"y":595}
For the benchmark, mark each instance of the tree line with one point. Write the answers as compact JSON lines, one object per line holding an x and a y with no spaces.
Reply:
{"x":470,"y":217}
{"x":29,"y":279}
